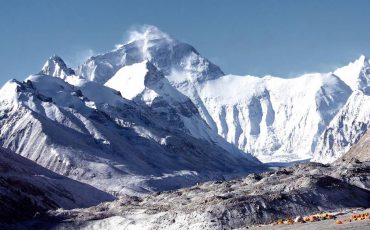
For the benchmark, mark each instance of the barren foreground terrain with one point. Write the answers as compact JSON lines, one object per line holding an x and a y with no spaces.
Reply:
{"x":257,"y":199}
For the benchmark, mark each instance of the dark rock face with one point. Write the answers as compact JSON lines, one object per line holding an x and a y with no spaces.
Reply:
{"x":360,"y":151}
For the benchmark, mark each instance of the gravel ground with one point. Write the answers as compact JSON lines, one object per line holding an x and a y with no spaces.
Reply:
{"x":324,"y":225}
{"x":299,"y":190}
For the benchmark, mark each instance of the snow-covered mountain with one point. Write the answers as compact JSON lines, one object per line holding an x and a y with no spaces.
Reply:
{"x":151,"y":44}
{"x":173,"y":58}
{"x":55,"y":66}
{"x":280,"y":119}
{"x":153,"y":114}
{"x":89,"y":132}
{"x":275,"y":119}
{"x":353,"y":119}
{"x":356,"y":74}
{"x":27,"y":188}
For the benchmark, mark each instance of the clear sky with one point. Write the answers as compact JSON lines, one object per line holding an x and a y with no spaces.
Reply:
{"x":283,"y":38}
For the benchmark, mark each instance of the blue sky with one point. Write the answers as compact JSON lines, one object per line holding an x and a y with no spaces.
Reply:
{"x":284,"y":38}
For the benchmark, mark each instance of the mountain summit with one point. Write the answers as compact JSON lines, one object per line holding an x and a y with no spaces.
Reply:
{"x":55,"y":66}
{"x":356,"y":74}
{"x":166,"y":53}
{"x":147,"y":33}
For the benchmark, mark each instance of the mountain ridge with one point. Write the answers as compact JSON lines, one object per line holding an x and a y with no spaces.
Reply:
{"x":151,"y":120}
{"x":240,"y":122}
{"x":120,"y":146}
{"x":160,"y":95}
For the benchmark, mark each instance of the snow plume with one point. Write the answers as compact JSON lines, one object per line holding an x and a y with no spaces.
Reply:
{"x":143,"y":37}
{"x":146,"y":32}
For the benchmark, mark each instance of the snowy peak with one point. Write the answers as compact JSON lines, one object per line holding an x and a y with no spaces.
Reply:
{"x":167,"y":54}
{"x":356,"y":74}
{"x":55,"y":66}
{"x":363,"y":60}
{"x":8,"y":92}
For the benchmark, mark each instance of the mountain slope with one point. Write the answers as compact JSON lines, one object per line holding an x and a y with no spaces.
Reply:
{"x":352,"y":121}
{"x":162,"y":88}
{"x":144,"y":84}
{"x":172,"y":57}
{"x":27,"y":188}
{"x":345,"y":130}
{"x":269,"y":121}
{"x":273,"y":118}
{"x":117,"y":145}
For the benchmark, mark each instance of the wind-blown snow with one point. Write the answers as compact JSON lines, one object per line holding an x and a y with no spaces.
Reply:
{"x":151,"y":44}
